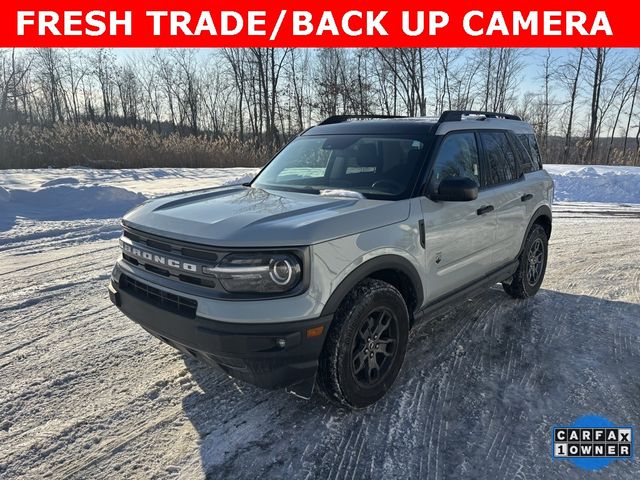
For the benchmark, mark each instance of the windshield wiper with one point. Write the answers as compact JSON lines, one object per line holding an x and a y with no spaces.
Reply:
{"x":292,"y":188}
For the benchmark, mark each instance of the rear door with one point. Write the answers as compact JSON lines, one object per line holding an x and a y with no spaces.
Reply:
{"x":459,"y":236}
{"x":503,"y":187}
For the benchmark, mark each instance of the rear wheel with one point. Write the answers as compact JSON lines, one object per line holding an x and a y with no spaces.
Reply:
{"x":366,"y":345}
{"x":532,"y":265}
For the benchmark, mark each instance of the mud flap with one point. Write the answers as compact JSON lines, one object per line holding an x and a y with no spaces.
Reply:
{"x":303,"y":389}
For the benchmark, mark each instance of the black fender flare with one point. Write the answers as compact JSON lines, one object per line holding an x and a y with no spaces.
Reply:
{"x":383,"y":262}
{"x":543,"y":211}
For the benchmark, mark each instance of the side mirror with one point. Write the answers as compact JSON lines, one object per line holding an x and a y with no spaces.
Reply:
{"x":456,"y":189}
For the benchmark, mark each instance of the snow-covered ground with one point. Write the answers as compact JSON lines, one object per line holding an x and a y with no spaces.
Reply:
{"x":85,"y":393}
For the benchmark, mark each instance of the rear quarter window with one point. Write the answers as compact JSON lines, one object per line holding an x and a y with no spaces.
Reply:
{"x":530,"y":152}
{"x":500,"y":158}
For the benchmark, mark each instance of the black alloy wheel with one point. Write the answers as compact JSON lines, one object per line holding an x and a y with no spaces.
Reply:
{"x":535,"y":261}
{"x":374,"y":348}
{"x":532,"y":264}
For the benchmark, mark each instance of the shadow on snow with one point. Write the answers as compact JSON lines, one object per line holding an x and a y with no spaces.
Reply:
{"x":480,"y":389}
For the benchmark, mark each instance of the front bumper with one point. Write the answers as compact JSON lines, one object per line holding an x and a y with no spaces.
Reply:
{"x":273,"y":355}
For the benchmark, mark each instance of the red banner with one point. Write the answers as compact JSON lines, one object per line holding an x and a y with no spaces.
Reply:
{"x":289,"y":23}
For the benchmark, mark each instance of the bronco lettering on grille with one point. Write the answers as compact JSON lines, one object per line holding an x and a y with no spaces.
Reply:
{"x":149,"y":257}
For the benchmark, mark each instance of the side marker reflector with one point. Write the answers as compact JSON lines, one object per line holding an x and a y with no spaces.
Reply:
{"x":315,"y":331}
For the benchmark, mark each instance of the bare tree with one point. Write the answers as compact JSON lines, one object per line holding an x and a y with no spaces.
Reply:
{"x":187,"y":89}
{"x":634,"y":94}
{"x":235,"y":58}
{"x":104,"y":65}
{"x":569,"y":76}
{"x":548,"y":67}
{"x":269,"y":63}
{"x":408,"y":67}
{"x":153,"y":98}
{"x":621,"y":92}
{"x":598,"y":59}
{"x":500,"y":69}
{"x":12,"y":89}
{"x":166,"y":78}
{"x":329,"y":78}
{"x":129,"y":93}
{"x":48,"y":61}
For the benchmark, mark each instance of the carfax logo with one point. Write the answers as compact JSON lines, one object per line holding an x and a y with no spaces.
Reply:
{"x":592,"y":442}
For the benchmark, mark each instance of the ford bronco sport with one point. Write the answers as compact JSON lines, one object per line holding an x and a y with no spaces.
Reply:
{"x":313,"y":273}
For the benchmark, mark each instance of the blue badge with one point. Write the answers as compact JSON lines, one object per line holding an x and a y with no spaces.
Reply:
{"x":592,"y":442}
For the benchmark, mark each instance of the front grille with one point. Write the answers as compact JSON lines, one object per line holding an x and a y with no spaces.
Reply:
{"x":165,"y":300}
{"x":159,"y":271}
{"x":200,"y":254}
{"x":159,"y":245}
{"x":177,"y":251}
{"x":183,"y":263}
{"x":131,"y":260}
{"x":204,"y":253}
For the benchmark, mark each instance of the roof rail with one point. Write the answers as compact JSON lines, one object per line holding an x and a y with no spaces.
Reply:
{"x":343,"y":118}
{"x":456,"y":115}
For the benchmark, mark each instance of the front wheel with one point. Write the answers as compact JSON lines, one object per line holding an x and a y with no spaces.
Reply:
{"x":532,"y":265}
{"x":366,"y":345}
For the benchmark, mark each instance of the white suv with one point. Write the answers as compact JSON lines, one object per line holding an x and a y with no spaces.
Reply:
{"x":313,"y":273}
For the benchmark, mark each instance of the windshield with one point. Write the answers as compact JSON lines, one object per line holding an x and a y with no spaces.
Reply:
{"x":378,"y":167}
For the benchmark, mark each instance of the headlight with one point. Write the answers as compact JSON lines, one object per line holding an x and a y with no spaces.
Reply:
{"x":257,"y":273}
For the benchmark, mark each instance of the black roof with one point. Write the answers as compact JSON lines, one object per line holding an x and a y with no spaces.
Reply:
{"x":388,"y":126}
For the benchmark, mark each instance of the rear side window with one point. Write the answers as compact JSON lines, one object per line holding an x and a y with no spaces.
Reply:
{"x":501,"y":159}
{"x":531,"y":153}
{"x":457,"y":157}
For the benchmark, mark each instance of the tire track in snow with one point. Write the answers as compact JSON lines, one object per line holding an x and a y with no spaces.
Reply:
{"x":64,"y":234}
{"x":36,"y":289}
{"x":90,"y":251}
{"x":108,"y":448}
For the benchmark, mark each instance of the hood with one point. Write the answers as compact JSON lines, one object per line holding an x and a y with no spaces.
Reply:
{"x":241,"y":216}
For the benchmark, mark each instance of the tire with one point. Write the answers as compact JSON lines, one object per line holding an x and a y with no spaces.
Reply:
{"x":358,"y":341}
{"x":526,"y":281}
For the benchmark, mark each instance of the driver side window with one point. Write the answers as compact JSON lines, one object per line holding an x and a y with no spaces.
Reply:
{"x":457,"y":157}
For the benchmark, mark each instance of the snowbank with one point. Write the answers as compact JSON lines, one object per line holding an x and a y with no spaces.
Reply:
{"x":75,"y":193}
{"x":148,"y":181}
{"x":61,"y":181}
{"x":84,"y":193}
{"x":76,"y":201}
{"x":601,"y":184}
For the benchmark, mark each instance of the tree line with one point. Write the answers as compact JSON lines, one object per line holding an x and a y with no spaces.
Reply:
{"x":583,"y":103}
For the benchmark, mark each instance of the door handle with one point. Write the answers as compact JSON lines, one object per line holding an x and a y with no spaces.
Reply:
{"x":485,"y":209}
{"x":525,"y":197}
